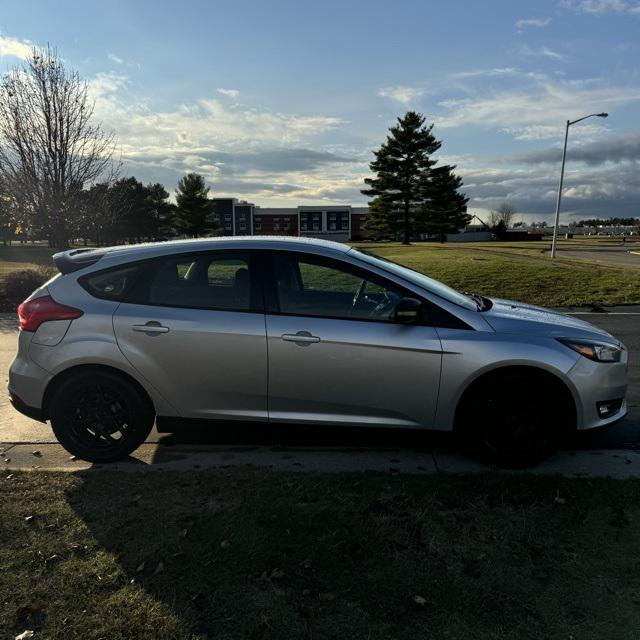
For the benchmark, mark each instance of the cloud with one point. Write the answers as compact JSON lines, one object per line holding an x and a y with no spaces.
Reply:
{"x":533,"y":22}
{"x":495,"y":72}
{"x":544,"y":52}
{"x":602,"y":192}
{"x":230,"y":93}
{"x":402,"y":94}
{"x":15,"y":48}
{"x":614,"y":149}
{"x":114,"y":58}
{"x":538,"y":108}
{"x":268,"y":160}
{"x":598,"y":7}
{"x":252,"y":151}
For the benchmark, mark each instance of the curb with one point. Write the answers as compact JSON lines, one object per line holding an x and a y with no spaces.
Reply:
{"x":149,"y":458}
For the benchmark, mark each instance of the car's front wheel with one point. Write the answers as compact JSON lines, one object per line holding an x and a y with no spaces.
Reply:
{"x":515,"y":419}
{"x":99,"y":416}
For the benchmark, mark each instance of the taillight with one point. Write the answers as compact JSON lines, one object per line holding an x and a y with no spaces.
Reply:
{"x":33,"y":313}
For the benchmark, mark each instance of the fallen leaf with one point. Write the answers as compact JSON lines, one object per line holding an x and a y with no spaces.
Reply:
{"x":159,"y":568}
{"x":140,"y":567}
{"x":225,"y":544}
{"x":419,"y":600}
{"x":10,"y":476}
{"x":559,"y":500}
{"x":28,"y":518}
{"x":25,"y":634}
{"x":73,"y":458}
{"x":36,"y":453}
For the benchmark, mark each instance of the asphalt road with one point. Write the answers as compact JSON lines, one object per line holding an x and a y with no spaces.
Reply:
{"x":623,"y":255}
{"x":625,"y":324}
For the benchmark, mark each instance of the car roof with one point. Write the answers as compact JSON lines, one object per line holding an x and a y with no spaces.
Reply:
{"x":76,"y":259}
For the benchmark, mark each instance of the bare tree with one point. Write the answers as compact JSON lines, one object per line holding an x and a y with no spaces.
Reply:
{"x":50,"y":146}
{"x":504,"y":213}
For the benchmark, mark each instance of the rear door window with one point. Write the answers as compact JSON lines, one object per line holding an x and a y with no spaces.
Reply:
{"x":204,"y":281}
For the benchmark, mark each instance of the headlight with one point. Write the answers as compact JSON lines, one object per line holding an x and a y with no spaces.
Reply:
{"x":598,"y":351}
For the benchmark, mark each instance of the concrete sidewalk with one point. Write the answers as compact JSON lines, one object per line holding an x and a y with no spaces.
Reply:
{"x":152,"y":457}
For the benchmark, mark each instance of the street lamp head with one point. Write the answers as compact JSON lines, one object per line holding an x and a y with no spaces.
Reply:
{"x":602,"y":115}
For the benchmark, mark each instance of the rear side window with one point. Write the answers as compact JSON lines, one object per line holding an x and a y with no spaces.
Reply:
{"x":206,"y":281}
{"x":112,"y":284}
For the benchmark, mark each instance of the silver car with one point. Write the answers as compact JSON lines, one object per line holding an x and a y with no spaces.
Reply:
{"x":289,"y":330}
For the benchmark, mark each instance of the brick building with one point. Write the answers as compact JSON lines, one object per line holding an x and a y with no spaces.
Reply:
{"x":339,"y":222}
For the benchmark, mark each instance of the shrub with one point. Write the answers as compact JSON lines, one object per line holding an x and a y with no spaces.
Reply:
{"x":19,"y":285}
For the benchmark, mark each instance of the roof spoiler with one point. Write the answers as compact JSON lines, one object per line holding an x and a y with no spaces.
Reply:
{"x":76,"y":259}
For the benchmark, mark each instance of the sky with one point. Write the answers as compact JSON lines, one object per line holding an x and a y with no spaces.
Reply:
{"x":282,"y":102}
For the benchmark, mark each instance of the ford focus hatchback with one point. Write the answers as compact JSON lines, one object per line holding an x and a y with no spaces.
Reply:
{"x":299,"y":331}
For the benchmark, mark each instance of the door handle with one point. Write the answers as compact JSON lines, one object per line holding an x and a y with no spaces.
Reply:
{"x":301,"y":338}
{"x":151,"y":327}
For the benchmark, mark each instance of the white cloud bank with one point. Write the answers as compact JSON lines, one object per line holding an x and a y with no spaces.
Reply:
{"x":230,"y":93}
{"x":404,"y":95}
{"x":599,"y":7}
{"x":12,"y":47}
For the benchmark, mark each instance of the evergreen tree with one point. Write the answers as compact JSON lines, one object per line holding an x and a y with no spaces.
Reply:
{"x":160,"y":209}
{"x":409,"y":194}
{"x":402,"y":167}
{"x":194,"y":210}
{"x":446,"y":209}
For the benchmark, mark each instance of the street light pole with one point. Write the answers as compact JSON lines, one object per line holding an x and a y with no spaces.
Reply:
{"x":564,"y":160}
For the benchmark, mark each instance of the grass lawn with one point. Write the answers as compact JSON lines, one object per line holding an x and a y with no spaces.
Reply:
{"x":517,"y":271}
{"x":24,"y":256}
{"x":257,"y":554}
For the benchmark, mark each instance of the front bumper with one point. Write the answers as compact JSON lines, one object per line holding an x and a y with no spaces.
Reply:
{"x":596,"y":382}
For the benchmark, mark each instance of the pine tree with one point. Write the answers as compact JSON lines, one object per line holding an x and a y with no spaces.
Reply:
{"x":402,"y":166}
{"x":160,"y":208}
{"x":194,"y":210}
{"x":446,"y":209}
{"x":411,"y":195}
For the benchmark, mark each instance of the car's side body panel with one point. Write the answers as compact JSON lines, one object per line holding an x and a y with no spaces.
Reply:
{"x":360,"y":373}
{"x":211,"y":364}
{"x":469,"y":355}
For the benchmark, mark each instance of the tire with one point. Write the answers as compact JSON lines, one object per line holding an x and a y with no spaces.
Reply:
{"x":100,"y":416}
{"x":502,"y":420}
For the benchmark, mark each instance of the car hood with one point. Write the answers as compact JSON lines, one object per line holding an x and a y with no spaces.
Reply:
{"x":516,"y":317}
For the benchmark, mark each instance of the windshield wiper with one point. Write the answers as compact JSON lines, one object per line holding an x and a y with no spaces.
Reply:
{"x":482,"y":303}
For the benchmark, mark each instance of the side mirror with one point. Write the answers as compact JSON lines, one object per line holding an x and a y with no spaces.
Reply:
{"x":407,"y":310}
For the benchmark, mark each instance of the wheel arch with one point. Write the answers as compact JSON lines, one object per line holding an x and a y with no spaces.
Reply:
{"x":534,"y":372}
{"x":65,"y":374}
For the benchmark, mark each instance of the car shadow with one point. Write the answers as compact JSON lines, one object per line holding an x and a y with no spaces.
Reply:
{"x":282,"y":437}
{"x":354,"y":439}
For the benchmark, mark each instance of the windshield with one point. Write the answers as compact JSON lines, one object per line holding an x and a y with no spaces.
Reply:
{"x":415,"y":277}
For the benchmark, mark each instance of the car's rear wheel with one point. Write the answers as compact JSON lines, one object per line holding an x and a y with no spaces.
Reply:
{"x":515,"y":419}
{"x":100,"y":416}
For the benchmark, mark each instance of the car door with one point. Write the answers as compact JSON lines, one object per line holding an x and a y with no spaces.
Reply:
{"x":194,"y":327}
{"x":336,"y":356}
